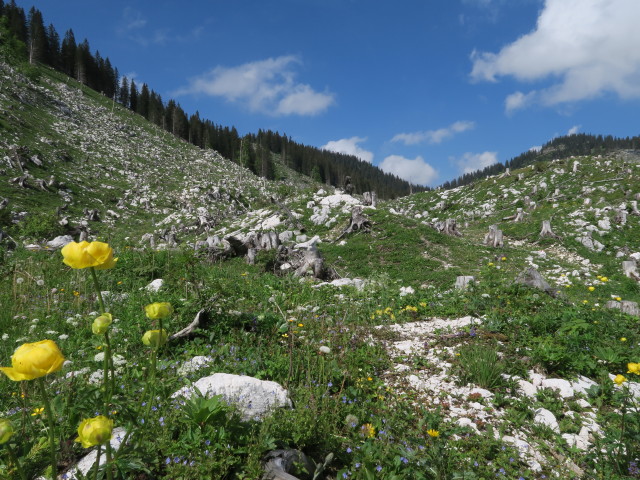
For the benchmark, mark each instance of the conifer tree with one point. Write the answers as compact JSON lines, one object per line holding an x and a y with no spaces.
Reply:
{"x":133,"y":97}
{"x":143,"y":101}
{"x":68,"y":53}
{"x":123,"y":96}
{"x":37,"y":42}
{"x":53,"y":44}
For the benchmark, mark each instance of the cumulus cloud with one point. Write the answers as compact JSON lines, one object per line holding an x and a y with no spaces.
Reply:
{"x":573,"y":130}
{"x":349,"y":146}
{"x":416,"y":170}
{"x":585,"y":47}
{"x":434,"y":136}
{"x":266,"y":86}
{"x":470,"y":162}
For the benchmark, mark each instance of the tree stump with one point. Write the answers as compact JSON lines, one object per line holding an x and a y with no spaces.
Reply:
{"x":448,"y":227}
{"x":370,"y":198}
{"x":532,"y":278}
{"x":463,"y":281}
{"x":634,"y":208}
{"x":546,"y":230}
{"x":620,"y":217}
{"x":626,"y":306}
{"x":494,"y":238}
{"x":358,"y":223}
{"x":629,"y":268}
{"x":519,"y":215}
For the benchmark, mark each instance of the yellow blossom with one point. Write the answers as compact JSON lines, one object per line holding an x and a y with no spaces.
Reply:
{"x":623,"y":339}
{"x":158,"y":310}
{"x":37,"y":411}
{"x":633,"y":368}
{"x":433,"y":433}
{"x":592,"y":288}
{"x":367,"y":430}
{"x":34,"y":360}
{"x":619,"y":379}
{"x":94,"y":431}
{"x":88,"y":254}
{"x":618,"y":298}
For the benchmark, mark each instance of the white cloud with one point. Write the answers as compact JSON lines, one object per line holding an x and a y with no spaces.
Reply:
{"x":573,"y":130}
{"x":470,"y":162}
{"x":416,"y":171}
{"x":349,"y":146}
{"x":585,"y":47}
{"x":265,"y":86}
{"x":434,"y":136}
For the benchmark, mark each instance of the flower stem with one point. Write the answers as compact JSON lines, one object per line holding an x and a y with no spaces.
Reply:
{"x":14,"y":459}
{"x":52,"y":424}
{"x":109,"y":466}
{"x":95,"y":472}
{"x":98,"y":292}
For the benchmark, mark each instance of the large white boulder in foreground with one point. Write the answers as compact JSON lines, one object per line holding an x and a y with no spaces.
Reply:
{"x":254,"y":398}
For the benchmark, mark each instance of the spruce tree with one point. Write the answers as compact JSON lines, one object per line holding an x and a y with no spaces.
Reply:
{"x":37,"y":42}
{"x":133,"y":97}
{"x":68,"y":53}
{"x":143,"y":101}
{"x":123,"y":96}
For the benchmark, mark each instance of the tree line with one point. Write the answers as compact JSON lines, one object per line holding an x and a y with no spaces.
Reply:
{"x":30,"y":40}
{"x":580,"y":144}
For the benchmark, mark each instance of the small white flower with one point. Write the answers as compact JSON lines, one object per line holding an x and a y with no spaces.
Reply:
{"x":19,"y":280}
{"x":40,"y":282}
{"x":324,"y":349}
{"x":5,"y":336}
{"x":64,"y":336}
{"x":51,"y":332}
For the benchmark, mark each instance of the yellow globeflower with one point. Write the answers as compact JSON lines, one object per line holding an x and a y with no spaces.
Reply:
{"x":34,"y":360}
{"x":433,"y":433}
{"x":6,"y":430}
{"x":158,"y":310}
{"x":367,"y":430}
{"x":101,"y":324}
{"x":88,"y":254}
{"x":154,"y":339}
{"x":94,"y":431}
{"x":591,"y":289}
{"x":633,"y":368}
{"x":619,"y":379}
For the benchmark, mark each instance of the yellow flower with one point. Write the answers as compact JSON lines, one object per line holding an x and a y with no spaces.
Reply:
{"x":369,"y":379}
{"x":604,"y":279}
{"x":623,"y":339}
{"x":367,"y":430}
{"x":6,"y":430}
{"x":490,"y":264}
{"x":154,"y":338}
{"x":301,"y":324}
{"x":94,"y":431}
{"x":101,"y":324}
{"x":88,"y":254}
{"x":633,"y":368}
{"x":591,"y":289}
{"x":34,"y":360}
{"x":433,"y":433}
{"x":618,"y":298}
{"x":158,"y":310}
{"x":504,"y":259}
{"x":620,"y":379}
{"x":37,"y":411}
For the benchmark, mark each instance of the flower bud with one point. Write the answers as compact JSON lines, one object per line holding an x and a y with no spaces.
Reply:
{"x":158,"y":310}
{"x":155,"y":338}
{"x":101,"y":324}
{"x":94,"y":431}
{"x":6,"y":430}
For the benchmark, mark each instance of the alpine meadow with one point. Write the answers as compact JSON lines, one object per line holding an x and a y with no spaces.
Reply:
{"x":179,"y":301}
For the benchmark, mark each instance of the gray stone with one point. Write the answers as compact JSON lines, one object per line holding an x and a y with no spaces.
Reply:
{"x":60,"y":241}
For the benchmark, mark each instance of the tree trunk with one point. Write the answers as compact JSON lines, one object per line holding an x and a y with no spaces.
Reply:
{"x":546,"y":230}
{"x":494,"y":238}
{"x":629,"y":268}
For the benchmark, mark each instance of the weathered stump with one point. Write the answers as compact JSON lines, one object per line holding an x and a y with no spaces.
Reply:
{"x":629,"y":268}
{"x":546,"y":230}
{"x":463,"y":282}
{"x":358,"y":223}
{"x":494,"y":238}
{"x":634,"y":208}
{"x":448,"y":227}
{"x":620,"y":217}
{"x":370,"y":198}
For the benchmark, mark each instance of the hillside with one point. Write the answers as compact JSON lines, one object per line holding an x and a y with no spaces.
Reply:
{"x":391,"y":370}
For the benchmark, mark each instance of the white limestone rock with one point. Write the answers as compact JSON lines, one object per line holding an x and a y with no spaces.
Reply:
{"x":545,"y":417}
{"x":60,"y":241}
{"x":254,"y":398}
{"x":193,"y":365}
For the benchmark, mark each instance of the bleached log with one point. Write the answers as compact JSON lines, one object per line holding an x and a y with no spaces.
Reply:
{"x":546,"y":230}
{"x":629,"y":268}
{"x":20,"y":181}
{"x":494,"y":238}
{"x":198,"y":322}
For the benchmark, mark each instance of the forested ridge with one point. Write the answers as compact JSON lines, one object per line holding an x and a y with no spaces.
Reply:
{"x":578,"y":144}
{"x":25,"y":38}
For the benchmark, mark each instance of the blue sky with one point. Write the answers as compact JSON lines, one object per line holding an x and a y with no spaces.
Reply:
{"x":425,"y":89}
